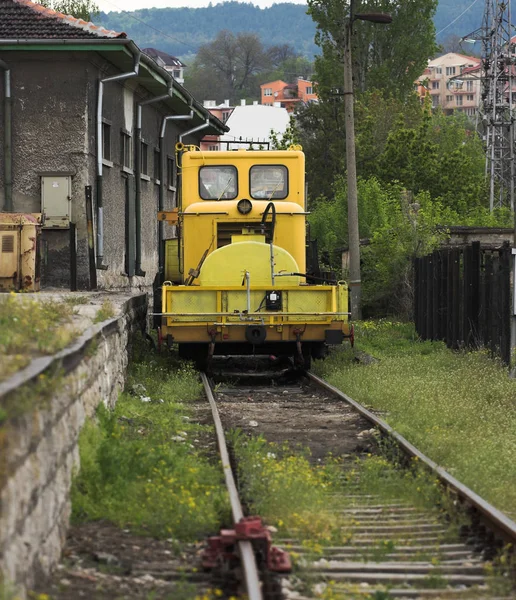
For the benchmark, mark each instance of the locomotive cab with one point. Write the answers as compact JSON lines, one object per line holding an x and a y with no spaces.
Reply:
{"x":241,"y":285}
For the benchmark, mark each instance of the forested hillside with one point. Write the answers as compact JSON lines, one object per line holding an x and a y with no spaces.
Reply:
{"x":186,"y":29}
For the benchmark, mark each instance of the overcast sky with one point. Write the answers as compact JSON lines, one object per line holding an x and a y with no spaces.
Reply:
{"x":117,"y":5}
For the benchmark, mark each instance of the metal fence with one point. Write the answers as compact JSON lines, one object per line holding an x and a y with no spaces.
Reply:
{"x":462,"y":296}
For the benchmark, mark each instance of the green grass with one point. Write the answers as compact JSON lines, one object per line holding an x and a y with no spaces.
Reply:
{"x":105,"y":312}
{"x":459,"y":408}
{"x":142,"y":465}
{"x":30,"y":328}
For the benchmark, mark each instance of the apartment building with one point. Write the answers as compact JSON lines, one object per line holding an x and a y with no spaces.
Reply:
{"x":288,"y":94}
{"x":453,"y":82}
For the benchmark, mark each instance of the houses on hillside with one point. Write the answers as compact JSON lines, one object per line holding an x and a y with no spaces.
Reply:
{"x":90,"y":142}
{"x":288,"y":94}
{"x":452,"y":82}
{"x":170,"y":63}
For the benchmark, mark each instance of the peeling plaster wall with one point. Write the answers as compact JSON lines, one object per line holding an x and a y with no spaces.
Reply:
{"x":39,"y":450}
{"x":49,"y":118}
{"x":54,"y":130}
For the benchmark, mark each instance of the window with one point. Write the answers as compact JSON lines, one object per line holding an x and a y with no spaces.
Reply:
{"x":267,"y":92}
{"x":449,"y":98}
{"x":450,"y":70}
{"x":217,"y":183}
{"x":439,"y":70}
{"x":106,"y":141}
{"x":460,"y":100}
{"x":170,"y":172}
{"x":309,"y":90}
{"x":225,"y":116}
{"x":470,"y":97}
{"x":213,"y":148}
{"x":470,"y":112}
{"x":269,"y":181}
{"x":176,"y":74}
{"x":435,"y":85}
{"x":125,"y":149}
{"x":469,"y":85}
{"x":144,"y":159}
{"x":157,"y":159}
{"x":435,"y":100}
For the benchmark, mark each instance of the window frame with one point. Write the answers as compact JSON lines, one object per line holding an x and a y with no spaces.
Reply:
{"x":276,"y":166}
{"x":170,"y":174}
{"x":267,"y":92}
{"x":144,"y":159}
{"x":126,"y":148}
{"x":157,"y":165}
{"x":107,"y":143}
{"x":208,"y":167}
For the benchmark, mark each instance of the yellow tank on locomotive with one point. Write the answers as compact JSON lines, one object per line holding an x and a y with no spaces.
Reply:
{"x":236,"y":280}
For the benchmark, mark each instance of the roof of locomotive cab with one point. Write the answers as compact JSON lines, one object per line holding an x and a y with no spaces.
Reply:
{"x":228,"y":155}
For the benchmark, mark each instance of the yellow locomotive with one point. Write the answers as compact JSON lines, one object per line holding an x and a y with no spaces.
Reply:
{"x":236,"y":280}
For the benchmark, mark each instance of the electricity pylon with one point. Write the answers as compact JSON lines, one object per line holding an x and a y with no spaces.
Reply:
{"x":498,"y":79}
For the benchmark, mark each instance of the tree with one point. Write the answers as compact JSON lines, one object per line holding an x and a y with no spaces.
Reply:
{"x":385,"y":57}
{"x":281,"y":53}
{"x":80,"y":9}
{"x":235,"y":59}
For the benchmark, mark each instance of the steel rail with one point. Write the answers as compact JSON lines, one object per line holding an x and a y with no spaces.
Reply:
{"x":250,"y":568}
{"x":495,"y":517}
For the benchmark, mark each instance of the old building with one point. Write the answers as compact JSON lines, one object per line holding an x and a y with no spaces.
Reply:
{"x":87,"y":116}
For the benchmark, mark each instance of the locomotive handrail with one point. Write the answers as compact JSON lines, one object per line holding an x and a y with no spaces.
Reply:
{"x":257,"y":314}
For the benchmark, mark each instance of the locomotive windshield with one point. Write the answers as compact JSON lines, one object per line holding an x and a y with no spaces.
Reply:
{"x":217,"y":183}
{"x":269,"y":181}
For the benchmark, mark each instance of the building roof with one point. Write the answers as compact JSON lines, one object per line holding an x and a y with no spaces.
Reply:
{"x":453,"y":56}
{"x":168,"y":59}
{"x":23,"y":19}
{"x":255,"y":121}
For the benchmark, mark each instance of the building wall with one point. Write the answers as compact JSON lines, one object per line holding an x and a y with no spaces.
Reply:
{"x":54,"y":131}
{"x":49,"y":136}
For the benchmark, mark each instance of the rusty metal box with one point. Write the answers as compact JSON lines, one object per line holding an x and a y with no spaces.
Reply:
{"x":19,"y":251}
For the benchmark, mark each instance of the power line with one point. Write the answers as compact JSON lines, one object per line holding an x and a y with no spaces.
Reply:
{"x":151,"y":26}
{"x":454,"y":20}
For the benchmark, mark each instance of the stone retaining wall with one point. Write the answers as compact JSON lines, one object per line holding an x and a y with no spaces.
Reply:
{"x":39,"y":449}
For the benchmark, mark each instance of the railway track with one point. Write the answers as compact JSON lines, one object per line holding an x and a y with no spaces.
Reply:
{"x":396,"y":548}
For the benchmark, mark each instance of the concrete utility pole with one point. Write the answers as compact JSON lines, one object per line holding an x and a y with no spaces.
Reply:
{"x":349,"y":119}
{"x":355,"y":283}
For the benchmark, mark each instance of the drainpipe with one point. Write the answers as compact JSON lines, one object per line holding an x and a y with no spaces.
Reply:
{"x":180,"y":141}
{"x":194,"y":130}
{"x":137,"y":158}
{"x":100,"y":149}
{"x":162,"y":174}
{"x":8,"y":157}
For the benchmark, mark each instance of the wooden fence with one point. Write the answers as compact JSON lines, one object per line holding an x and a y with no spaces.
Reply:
{"x":462,"y":296}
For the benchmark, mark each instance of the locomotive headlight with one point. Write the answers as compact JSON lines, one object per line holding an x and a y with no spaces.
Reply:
{"x":244,"y":206}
